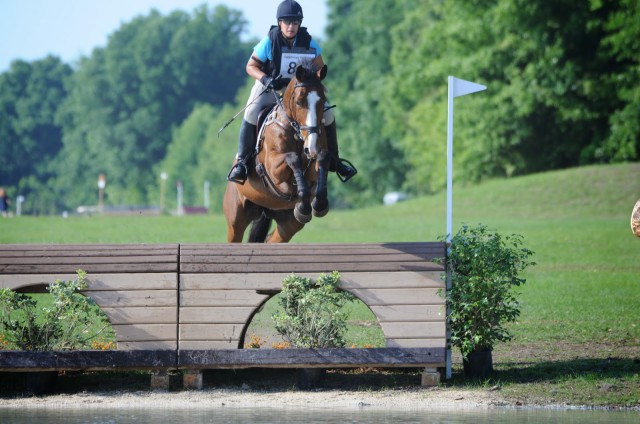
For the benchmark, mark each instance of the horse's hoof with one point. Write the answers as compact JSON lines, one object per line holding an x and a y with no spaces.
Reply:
{"x":302,"y":218}
{"x":320,"y":214}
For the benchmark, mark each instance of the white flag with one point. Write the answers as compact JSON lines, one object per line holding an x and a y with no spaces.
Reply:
{"x":462,"y":87}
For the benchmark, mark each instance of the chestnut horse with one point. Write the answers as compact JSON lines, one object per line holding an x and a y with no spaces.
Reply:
{"x":289,"y":181}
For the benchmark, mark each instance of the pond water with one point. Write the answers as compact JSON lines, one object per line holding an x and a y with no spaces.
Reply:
{"x":310,"y":416}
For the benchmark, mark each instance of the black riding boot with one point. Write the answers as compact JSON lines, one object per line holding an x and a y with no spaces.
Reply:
{"x":246,"y":143}
{"x":342,"y":167}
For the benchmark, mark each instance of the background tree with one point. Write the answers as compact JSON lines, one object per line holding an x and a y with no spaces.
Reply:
{"x":357,"y":52}
{"x":127,"y":97}
{"x":30,"y":94}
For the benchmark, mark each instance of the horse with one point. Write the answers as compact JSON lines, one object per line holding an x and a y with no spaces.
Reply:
{"x":289,"y":181}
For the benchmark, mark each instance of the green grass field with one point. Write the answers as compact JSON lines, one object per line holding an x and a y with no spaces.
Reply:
{"x":578,"y":337}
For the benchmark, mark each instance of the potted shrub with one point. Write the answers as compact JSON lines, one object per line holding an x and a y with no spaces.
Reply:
{"x":484,"y":268}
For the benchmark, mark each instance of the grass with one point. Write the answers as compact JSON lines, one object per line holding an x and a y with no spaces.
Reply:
{"x":578,"y":338}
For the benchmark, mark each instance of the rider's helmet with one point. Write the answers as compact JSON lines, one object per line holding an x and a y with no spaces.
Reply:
{"x":289,"y":9}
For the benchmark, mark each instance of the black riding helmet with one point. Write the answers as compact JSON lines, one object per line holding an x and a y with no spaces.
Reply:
{"x":289,"y":9}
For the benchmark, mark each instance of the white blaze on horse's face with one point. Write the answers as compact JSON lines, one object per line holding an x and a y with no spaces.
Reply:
{"x":311,"y":143}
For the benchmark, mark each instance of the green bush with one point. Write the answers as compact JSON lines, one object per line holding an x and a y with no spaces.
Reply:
{"x":313,"y":314}
{"x":68,"y":323}
{"x":484,"y":268}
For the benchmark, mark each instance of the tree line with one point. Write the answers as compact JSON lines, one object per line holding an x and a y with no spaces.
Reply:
{"x":562,"y":77}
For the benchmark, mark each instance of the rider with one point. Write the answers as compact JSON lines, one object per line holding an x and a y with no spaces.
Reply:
{"x":291,"y":42}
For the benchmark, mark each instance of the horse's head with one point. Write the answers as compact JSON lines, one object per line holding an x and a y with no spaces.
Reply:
{"x":304,"y":101}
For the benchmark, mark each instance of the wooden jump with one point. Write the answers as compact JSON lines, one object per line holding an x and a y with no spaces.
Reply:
{"x":187,"y":306}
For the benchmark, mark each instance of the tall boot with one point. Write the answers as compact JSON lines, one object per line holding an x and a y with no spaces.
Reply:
{"x":342,"y":167}
{"x":246,"y":144}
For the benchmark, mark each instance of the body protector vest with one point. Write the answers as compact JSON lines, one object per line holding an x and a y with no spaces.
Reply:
{"x":286,"y":59}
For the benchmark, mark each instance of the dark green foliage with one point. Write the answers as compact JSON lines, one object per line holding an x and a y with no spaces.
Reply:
{"x":484,"y":268}
{"x":127,"y":98}
{"x":30,"y":94}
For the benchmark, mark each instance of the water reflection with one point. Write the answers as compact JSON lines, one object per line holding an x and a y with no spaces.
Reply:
{"x":308,"y":416}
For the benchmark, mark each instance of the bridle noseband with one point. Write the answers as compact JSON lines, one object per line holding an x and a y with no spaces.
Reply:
{"x":297,"y":128}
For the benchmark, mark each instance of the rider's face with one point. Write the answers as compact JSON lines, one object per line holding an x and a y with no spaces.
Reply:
{"x":289,"y":28}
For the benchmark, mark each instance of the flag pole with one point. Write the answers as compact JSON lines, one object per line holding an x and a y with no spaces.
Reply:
{"x":456,"y":88}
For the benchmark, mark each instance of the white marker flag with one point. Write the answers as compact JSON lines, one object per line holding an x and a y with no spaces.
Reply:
{"x":462,"y":87}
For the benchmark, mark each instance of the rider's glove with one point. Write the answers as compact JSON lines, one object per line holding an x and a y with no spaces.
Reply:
{"x":268,"y":82}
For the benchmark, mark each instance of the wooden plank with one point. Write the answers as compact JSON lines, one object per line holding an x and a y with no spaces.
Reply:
{"x":206,"y":332}
{"x":273,"y":281}
{"x":221,"y":298}
{"x":416,"y":343}
{"x":134,"y":298}
{"x":381,"y":297}
{"x":217,"y":315}
{"x":438,"y":248}
{"x":90,"y":268}
{"x":373,"y":266}
{"x":209,"y":344}
{"x":142,"y":315}
{"x":293,"y":258}
{"x":414,"y":330}
{"x":149,"y":345}
{"x":145,"y":332}
{"x":161,"y":281}
{"x":17,"y":250}
{"x":87,"y":360}
{"x":303,"y":358}
{"x":83,"y":260}
{"x":407,"y":313}
{"x":391,"y":280}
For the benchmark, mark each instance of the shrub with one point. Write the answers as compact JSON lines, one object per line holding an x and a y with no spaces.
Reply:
{"x":66,"y":324}
{"x":484,"y":268}
{"x":312,"y":315}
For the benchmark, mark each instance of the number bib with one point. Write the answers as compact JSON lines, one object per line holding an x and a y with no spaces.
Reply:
{"x":291,"y":58}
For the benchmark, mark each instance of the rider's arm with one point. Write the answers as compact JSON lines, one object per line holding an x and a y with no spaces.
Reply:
{"x":253,"y":68}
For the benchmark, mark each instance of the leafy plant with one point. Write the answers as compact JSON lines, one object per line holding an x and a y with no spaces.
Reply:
{"x":64,"y":325}
{"x":484,"y":269}
{"x":312,"y":315}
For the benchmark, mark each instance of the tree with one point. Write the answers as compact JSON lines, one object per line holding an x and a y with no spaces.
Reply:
{"x":358,"y":53}
{"x":127,"y":97}
{"x":30,"y":94}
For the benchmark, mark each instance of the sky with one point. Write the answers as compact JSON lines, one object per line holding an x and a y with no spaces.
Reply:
{"x":70,"y":29}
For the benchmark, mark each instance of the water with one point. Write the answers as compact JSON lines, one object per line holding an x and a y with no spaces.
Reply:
{"x":309,"y":416}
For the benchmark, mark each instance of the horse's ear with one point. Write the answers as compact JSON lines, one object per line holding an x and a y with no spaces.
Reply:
{"x":322,"y":73}
{"x":301,"y":73}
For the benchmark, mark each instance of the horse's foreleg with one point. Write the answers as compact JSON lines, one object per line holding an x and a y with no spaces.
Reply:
{"x":320,"y":202}
{"x":302,"y":210}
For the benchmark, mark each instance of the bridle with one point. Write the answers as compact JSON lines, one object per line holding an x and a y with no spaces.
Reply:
{"x":297,"y":128}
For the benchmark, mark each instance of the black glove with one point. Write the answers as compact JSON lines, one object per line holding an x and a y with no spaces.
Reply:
{"x":268,"y":82}
{"x":273,"y":84}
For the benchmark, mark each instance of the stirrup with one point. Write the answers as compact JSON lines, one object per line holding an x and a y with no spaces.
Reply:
{"x":240,"y":181}
{"x":346,"y":177}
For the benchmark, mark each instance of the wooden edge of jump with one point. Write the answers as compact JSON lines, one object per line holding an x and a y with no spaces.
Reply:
{"x":311,"y":358}
{"x":95,"y":360}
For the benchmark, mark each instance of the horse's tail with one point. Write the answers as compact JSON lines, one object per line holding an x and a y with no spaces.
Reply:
{"x":260,"y":229}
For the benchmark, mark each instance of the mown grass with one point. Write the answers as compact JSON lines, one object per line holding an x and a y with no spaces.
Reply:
{"x":577,"y":340}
